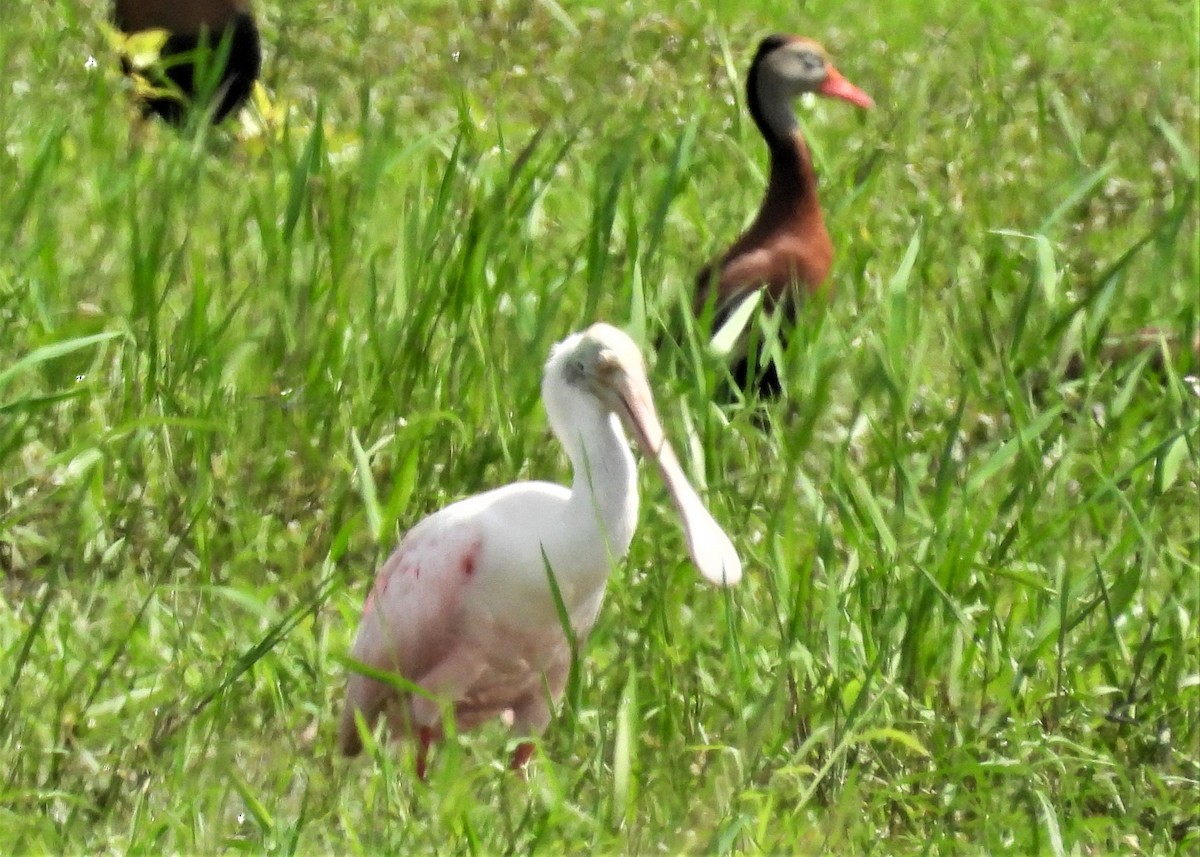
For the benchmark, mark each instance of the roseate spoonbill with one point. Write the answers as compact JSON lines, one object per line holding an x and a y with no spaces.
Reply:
{"x":465,"y":608}
{"x":786,"y":251}
{"x":194,"y":25}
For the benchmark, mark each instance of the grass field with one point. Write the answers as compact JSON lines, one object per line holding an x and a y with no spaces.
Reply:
{"x":236,"y":365}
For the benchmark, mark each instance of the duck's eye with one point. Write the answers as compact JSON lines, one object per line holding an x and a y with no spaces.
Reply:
{"x":814,"y":64}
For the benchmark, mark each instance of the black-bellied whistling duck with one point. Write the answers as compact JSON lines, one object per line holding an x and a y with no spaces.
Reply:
{"x":197,"y":25}
{"x":786,"y":252}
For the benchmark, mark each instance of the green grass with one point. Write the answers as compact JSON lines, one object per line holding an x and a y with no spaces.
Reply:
{"x":969,"y":622}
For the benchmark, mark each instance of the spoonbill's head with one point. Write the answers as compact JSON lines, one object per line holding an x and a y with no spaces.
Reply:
{"x":603,"y":362}
{"x":605,"y":365}
{"x":788,"y":66}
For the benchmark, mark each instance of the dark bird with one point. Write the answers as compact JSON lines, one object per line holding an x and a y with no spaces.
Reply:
{"x":196,"y":29}
{"x":786,"y":252}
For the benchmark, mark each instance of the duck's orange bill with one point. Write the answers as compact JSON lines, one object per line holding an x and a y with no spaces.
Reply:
{"x":836,"y":86}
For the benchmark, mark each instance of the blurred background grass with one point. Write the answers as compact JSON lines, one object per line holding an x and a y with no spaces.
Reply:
{"x":969,"y":617}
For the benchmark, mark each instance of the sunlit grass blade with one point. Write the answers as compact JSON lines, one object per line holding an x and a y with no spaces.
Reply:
{"x":51,"y":352}
{"x":624,"y":793}
{"x":366,"y":487}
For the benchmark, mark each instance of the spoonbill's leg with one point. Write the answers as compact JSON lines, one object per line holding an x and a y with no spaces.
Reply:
{"x":449,"y":680}
{"x":521,"y":757}
{"x":425,"y":737}
{"x":532,"y":715}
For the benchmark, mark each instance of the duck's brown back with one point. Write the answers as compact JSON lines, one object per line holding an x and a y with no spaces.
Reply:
{"x":182,"y":17}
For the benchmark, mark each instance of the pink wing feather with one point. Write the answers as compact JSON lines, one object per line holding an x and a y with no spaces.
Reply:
{"x":411,"y":617}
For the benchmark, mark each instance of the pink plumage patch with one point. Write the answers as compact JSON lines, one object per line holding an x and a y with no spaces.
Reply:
{"x":470,"y":559}
{"x":379,"y":588}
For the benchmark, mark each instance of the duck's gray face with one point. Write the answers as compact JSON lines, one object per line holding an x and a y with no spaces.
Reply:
{"x":799,"y":65}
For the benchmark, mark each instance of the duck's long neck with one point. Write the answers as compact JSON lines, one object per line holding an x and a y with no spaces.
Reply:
{"x":604,"y":488}
{"x":792,"y":183}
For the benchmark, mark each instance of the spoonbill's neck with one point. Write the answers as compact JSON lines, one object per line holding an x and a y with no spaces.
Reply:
{"x":604,"y":487}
